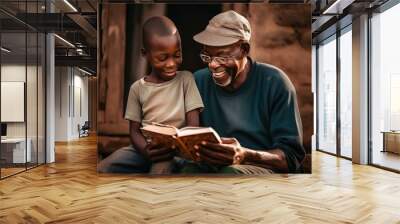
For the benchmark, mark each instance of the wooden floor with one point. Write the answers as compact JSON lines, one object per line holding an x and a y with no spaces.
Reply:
{"x":70,"y":191}
{"x":387,"y":159}
{"x":10,"y":171}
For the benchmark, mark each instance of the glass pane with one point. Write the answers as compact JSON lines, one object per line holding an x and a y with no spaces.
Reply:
{"x":23,"y":79}
{"x":31,"y":100}
{"x":327,"y":96}
{"x":346,"y":94}
{"x":41,"y":98}
{"x":13,"y":86}
{"x":386,"y":89}
{"x":313,"y":87}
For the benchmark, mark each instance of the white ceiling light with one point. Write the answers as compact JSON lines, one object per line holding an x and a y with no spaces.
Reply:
{"x":5,"y":50}
{"x":337,"y":7}
{"x":80,"y":51}
{"x":65,"y":41}
{"x":84,"y":71}
{"x":70,"y":5}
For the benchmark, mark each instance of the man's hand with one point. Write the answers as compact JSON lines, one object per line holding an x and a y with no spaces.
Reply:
{"x":227,"y":153}
{"x":231,"y":152}
{"x":157,"y":152}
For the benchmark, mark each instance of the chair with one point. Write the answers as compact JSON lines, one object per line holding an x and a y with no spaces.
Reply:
{"x":84,"y":130}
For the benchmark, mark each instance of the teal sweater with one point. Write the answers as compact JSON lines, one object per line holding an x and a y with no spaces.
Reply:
{"x":262,"y":114}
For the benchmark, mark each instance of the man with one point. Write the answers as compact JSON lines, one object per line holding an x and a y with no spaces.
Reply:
{"x":253,"y":103}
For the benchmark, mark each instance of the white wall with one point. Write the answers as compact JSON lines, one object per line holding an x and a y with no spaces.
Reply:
{"x":80,"y":111}
{"x":71,"y":94}
{"x":13,"y":73}
{"x":33,"y":126}
{"x":61,"y":104}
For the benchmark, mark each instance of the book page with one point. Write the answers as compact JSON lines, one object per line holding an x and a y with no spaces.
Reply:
{"x":196,"y":131}
{"x":161,"y":129}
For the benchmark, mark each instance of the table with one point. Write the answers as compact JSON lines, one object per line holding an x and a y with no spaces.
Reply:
{"x":13,"y":150}
{"x":391,"y":141}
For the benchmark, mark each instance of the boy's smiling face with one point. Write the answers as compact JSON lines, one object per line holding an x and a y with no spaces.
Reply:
{"x":164,"y":55}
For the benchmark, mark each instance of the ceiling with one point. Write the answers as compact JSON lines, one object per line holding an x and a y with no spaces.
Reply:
{"x":332,"y":15}
{"x":74,"y":21}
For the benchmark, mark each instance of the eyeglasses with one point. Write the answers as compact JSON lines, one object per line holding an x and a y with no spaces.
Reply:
{"x":220,"y":60}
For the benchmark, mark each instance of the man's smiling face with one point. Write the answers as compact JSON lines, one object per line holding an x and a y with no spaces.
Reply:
{"x":226,"y":62}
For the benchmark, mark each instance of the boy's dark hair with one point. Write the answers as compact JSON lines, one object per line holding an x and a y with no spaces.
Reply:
{"x":157,"y":25}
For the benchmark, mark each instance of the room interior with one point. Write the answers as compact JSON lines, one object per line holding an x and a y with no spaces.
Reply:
{"x":49,"y":89}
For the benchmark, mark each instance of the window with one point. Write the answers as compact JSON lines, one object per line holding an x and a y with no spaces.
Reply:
{"x":22,"y":75}
{"x":385,"y":85}
{"x":333,"y":137}
{"x":346,"y":92}
{"x":327,"y":95}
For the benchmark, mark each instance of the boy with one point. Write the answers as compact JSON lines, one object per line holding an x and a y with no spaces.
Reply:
{"x":166,"y":96}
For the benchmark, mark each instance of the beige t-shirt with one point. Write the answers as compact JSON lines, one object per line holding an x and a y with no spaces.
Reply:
{"x":166,"y":102}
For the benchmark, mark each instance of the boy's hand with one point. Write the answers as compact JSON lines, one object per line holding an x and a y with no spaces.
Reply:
{"x":157,"y":152}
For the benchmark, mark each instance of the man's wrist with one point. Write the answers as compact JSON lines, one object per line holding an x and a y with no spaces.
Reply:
{"x":254,"y":156}
{"x":250,"y":156}
{"x":274,"y":159}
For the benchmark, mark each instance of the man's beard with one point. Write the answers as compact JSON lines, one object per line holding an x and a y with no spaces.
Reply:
{"x":224,"y":78}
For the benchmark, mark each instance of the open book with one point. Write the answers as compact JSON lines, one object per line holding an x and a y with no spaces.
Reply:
{"x":183,"y":139}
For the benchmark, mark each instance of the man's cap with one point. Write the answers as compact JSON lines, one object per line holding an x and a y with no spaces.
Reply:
{"x":224,"y":29}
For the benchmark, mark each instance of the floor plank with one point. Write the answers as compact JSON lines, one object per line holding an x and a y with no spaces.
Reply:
{"x":70,"y":191}
{"x":386,"y":159}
